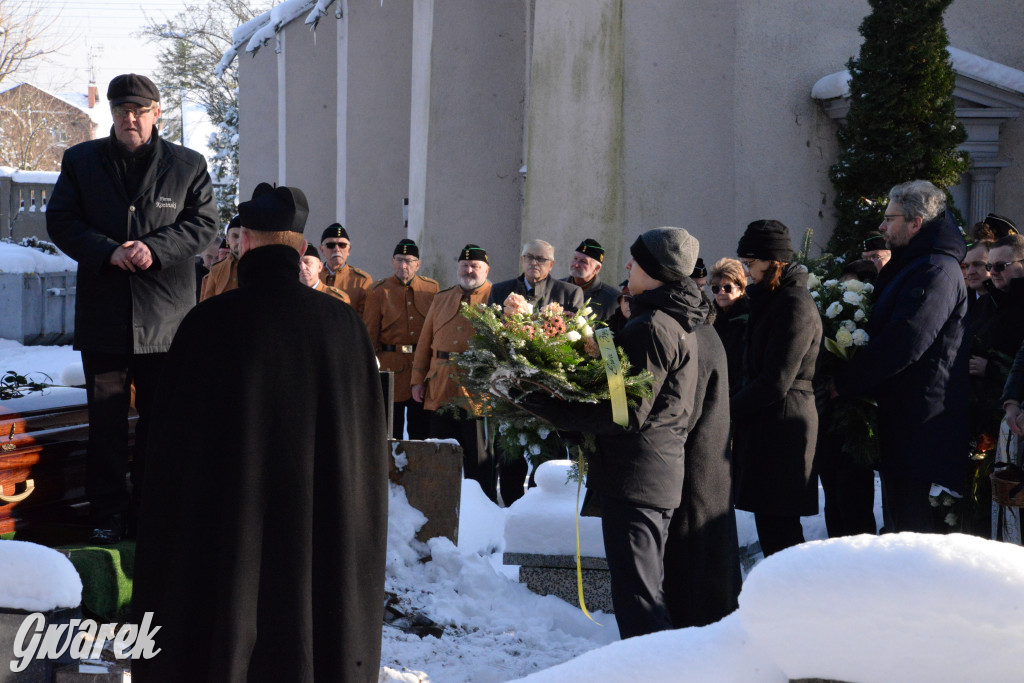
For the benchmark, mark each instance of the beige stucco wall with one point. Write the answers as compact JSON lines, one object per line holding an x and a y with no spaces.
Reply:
{"x":257,"y":120}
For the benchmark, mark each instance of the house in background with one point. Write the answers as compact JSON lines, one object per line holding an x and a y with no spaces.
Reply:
{"x":36,"y":127}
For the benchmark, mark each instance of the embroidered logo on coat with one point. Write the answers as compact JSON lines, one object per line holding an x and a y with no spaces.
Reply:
{"x":166,"y":203}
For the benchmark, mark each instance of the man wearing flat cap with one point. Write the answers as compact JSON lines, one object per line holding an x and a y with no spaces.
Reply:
{"x":445,"y":332}
{"x":133,"y":210}
{"x":585,"y":273}
{"x":534,"y":283}
{"x":267,"y":511}
{"x":394,"y":313}
{"x":335,"y":246}
{"x":223,"y":275}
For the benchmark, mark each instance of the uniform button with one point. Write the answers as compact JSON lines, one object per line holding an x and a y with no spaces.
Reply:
{"x":132,"y":208}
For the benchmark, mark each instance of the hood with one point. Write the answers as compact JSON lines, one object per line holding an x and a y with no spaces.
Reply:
{"x":682,"y":300}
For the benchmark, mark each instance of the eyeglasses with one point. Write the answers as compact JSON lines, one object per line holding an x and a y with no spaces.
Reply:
{"x":873,"y":257}
{"x":747,"y":262}
{"x":715,"y":289}
{"x":890,"y":217}
{"x":530,"y":258}
{"x":408,"y":261}
{"x":1000,"y":267}
{"x":121,"y":111}
{"x":336,"y":245}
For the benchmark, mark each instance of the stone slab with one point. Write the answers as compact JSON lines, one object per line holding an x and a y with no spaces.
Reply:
{"x":432,"y":478}
{"x":553,"y":561}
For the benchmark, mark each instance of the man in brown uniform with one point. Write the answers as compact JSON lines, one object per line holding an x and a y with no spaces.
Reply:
{"x":394,"y":313}
{"x":336,"y":247}
{"x":446,"y":331}
{"x":223,"y":275}
{"x":309,"y":274}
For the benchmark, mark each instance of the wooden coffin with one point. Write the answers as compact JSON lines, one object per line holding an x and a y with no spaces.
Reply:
{"x":42,"y":461}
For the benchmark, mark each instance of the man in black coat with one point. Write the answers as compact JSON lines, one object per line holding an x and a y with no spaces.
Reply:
{"x":915,"y":363}
{"x":637,"y":469}
{"x":534,"y":284}
{"x":585,"y":273}
{"x":702,"y":563}
{"x":133,"y":210}
{"x":264,"y":523}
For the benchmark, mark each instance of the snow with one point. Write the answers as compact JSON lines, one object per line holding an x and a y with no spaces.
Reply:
{"x":17,"y":259}
{"x":964,"y":63}
{"x":256,"y":32}
{"x":37,"y":361}
{"x":37,"y":578}
{"x":18,"y":176}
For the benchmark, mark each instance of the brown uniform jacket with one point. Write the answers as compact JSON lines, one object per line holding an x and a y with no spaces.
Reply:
{"x":351,"y":280}
{"x":333,"y":291}
{"x":223,"y":277}
{"x":394,"y":315}
{"x":447,"y":331}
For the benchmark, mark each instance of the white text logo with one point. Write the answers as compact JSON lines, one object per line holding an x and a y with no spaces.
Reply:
{"x":84,"y":639}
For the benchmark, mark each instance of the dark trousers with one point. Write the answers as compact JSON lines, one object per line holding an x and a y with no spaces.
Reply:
{"x":108,"y":383}
{"x":419,"y":420}
{"x":778,"y":532}
{"x":849,"y":498}
{"x":905,"y":500}
{"x":476,"y":459}
{"x":634,"y":543}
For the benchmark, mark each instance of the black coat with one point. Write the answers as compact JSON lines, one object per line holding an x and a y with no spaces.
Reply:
{"x":643,"y":462}
{"x":702,"y":564}
{"x":89,"y":215}
{"x":996,"y":339}
{"x":262,"y":542}
{"x":603,"y":298}
{"x":547,"y":290}
{"x":915,"y":363}
{"x":731,"y":327}
{"x":774,"y":416}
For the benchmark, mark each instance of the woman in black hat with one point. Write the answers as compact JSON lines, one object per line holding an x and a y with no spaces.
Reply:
{"x":773,"y":414}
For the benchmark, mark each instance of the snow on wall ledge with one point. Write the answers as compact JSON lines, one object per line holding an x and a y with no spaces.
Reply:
{"x":15,"y":258}
{"x":255,"y":33}
{"x":37,"y":578}
{"x":964,"y":64}
{"x":40,"y":177}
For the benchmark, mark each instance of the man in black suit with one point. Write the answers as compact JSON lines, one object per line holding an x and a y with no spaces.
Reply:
{"x":534,"y":282}
{"x":585,"y":273}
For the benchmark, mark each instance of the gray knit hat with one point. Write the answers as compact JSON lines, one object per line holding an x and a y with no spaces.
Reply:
{"x":666,"y":254}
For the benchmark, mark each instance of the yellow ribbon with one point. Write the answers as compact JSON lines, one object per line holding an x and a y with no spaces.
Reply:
{"x":579,"y":566}
{"x":612,"y":368}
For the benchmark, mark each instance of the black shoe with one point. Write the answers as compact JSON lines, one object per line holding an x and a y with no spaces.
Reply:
{"x":109,"y":532}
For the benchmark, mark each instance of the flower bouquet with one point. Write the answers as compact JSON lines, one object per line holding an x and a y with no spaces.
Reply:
{"x":517,"y":351}
{"x":845,"y":308}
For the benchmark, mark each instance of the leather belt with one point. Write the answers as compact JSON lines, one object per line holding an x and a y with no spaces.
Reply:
{"x":444,"y":355}
{"x":400,"y":348}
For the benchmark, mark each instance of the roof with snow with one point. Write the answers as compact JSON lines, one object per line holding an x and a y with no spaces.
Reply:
{"x":254,"y":34}
{"x":964,"y":64}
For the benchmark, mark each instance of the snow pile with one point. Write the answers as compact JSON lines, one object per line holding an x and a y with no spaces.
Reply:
{"x":15,"y":258}
{"x":46,"y":364}
{"x":495,"y":629}
{"x":37,"y":578}
{"x":542,"y":521}
{"x":37,"y":177}
{"x":481,"y":522}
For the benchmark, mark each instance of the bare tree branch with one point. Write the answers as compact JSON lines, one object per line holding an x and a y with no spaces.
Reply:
{"x":22,"y":31}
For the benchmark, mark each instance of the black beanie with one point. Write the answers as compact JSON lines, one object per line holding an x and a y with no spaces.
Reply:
{"x":767,"y":240}
{"x":335,"y":230}
{"x":699,"y":270}
{"x":275,"y":209}
{"x":235,"y":222}
{"x":472,"y":252}
{"x":406,"y":247}
{"x":666,"y":254}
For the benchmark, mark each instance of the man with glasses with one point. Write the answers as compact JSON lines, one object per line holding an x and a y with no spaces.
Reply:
{"x":394,"y":313}
{"x":915,"y":363}
{"x":133,"y":210}
{"x":585,"y":273}
{"x":537,"y":259}
{"x":336,"y":247}
{"x":1001,"y":324}
{"x":875,"y":249}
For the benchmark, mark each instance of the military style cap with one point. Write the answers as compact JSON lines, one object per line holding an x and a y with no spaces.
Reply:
{"x":406,"y":247}
{"x":132,"y":88}
{"x":235,"y":222}
{"x":1001,"y":225}
{"x":275,"y":209}
{"x":592,"y":248}
{"x":472,"y":252}
{"x":874,"y":241}
{"x":336,"y":231}
{"x":312,"y":251}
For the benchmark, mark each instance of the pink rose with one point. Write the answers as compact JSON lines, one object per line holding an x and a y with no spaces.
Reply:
{"x":552,"y":309}
{"x":515,"y":304}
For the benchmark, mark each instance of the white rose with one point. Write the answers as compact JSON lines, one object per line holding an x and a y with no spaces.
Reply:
{"x":834,"y":309}
{"x":588,"y":331}
{"x":814,"y":295}
{"x":831,"y":283}
{"x":586,"y":310}
{"x":529,"y":309}
{"x":854,"y":286}
{"x":573,"y":335}
{"x":852,"y":298}
{"x":868,"y":288}
{"x":849,"y":325}
{"x":858,"y":315}
{"x":580,"y":321}
{"x":860,"y":338}
{"x":844,"y":338}
{"x":812,"y":281}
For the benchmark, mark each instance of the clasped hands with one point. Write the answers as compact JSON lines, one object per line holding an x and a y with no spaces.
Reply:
{"x":131,"y":256}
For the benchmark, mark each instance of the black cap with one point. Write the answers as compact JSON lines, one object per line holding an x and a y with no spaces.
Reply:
{"x":311,"y":251}
{"x":223,"y":244}
{"x":275,"y":209}
{"x":699,"y":270}
{"x":767,"y":240}
{"x":406,"y":247}
{"x":874,"y":241}
{"x":592,"y":248}
{"x":1001,"y":225}
{"x":472,"y":252}
{"x":235,"y":222}
{"x":335,"y":230}
{"x":132,"y":88}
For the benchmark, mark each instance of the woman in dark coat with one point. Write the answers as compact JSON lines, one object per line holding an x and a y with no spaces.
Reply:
{"x":774,"y":415}
{"x":732,"y":313}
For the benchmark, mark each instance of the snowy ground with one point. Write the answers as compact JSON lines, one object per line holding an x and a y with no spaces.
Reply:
{"x":901,"y":607}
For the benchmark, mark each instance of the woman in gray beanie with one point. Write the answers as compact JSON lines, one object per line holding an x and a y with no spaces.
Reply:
{"x":775,"y":419}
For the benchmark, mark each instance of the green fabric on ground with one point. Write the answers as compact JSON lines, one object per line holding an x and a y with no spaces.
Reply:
{"x":107,"y":573}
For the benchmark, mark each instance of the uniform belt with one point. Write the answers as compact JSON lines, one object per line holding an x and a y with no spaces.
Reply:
{"x":444,"y":355}
{"x":400,"y":348}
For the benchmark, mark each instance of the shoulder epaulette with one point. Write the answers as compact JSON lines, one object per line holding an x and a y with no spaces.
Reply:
{"x":379,"y":282}
{"x":430,"y":280}
{"x":448,"y":290}
{"x":362,"y":273}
